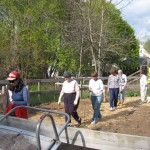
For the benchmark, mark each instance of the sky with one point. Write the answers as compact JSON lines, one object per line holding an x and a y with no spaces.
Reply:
{"x":137,"y":14}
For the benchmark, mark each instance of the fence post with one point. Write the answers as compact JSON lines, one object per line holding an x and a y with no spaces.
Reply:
{"x":81,"y":87}
{"x":39,"y":89}
{"x":4,"y":97}
{"x":39,"y":85}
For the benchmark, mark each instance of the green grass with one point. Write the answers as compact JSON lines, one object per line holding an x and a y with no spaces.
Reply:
{"x":38,"y":99}
{"x":132,"y":94}
{"x":43,"y":87}
{"x":85,"y":94}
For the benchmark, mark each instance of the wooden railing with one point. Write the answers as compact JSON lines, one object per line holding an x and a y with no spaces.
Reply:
{"x":83,"y":83}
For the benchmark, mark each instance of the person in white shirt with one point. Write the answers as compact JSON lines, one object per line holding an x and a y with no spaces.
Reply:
{"x":143,"y":86}
{"x":96,"y":89}
{"x":122,"y":86}
{"x":71,"y":94}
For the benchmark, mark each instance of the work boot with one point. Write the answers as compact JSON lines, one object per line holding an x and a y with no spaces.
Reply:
{"x":119,"y":102}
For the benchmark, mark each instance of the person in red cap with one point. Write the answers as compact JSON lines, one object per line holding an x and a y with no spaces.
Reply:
{"x":18,"y":95}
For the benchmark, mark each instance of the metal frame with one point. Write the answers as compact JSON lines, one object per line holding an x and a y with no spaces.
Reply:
{"x":57,"y":134}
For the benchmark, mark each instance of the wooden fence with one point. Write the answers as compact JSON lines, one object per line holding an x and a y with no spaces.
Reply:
{"x":83,"y":83}
{"x":3,"y":99}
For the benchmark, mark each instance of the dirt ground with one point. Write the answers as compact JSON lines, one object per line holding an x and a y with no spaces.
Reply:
{"x":132,"y":118}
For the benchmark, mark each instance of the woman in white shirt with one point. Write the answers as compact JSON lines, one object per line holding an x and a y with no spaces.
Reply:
{"x":96,"y":89}
{"x":71,"y":94}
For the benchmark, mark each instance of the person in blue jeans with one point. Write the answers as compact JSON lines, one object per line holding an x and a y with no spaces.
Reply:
{"x":96,"y":89}
{"x":113,"y":88}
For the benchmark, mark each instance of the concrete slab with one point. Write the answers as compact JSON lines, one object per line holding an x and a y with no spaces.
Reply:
{"x":85,"y":137}
{"x":10,"y":140}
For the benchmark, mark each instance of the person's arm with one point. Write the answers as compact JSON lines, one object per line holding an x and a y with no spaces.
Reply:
{"x":90,"y":88}
{"x":61,"y":95}
{"x":77,"y":90}
{"x":10,"y":96}
{"x":108,"y":84}
{"x":103,"y":90}
{"x":104,"y":95}
{"x":125,"y":82}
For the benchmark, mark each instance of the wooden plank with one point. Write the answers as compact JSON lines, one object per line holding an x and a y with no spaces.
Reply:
{"x":3,"y":82}
{"x":42,"y":92}
{"x":28,"y":81}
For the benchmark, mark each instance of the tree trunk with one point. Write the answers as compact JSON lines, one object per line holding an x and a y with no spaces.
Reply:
{"x":91,"y":41}
{"x":81,"y":54}
{"x":100,"y":40}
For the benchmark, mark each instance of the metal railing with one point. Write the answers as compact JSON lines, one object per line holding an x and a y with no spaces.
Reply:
{"x":57,"y":134}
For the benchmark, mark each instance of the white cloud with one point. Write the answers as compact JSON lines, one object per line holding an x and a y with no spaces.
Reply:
{"x":137,"y":14}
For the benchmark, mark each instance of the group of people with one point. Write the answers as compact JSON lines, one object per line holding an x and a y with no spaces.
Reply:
{"x":117,"y":81}
{"x":71,"y":93}
{"x":116,"y":87}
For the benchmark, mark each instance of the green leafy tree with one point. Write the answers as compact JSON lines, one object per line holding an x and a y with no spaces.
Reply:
{"x":147,"y":45}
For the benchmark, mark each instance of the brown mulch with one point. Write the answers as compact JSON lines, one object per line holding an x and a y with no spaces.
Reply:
{"x":132,"y":118}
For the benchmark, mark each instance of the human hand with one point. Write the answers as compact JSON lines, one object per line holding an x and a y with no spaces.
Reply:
{"x":59,"y":101}
{"x":90,"y":89}
{"x":75,"y":102}
{"x":11,"y":102}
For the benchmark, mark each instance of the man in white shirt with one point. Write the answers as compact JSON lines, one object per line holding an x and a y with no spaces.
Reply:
{"x":143,"y":86}
{"x":122,"y":86}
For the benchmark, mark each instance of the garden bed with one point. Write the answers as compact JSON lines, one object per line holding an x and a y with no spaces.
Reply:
{"x":132,"y":118}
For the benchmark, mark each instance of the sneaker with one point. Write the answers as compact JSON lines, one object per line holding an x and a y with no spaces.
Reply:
{"x":114,"y":108}
{"x":111,"y":109}
{"x":79,"y":121}
{"x":69,"y":125}
{"x":141,"y":103}
{"x":99,"y":119}
{"x":93,"y":122}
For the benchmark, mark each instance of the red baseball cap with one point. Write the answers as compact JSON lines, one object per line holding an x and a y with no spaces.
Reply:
{"x":13,"y":75}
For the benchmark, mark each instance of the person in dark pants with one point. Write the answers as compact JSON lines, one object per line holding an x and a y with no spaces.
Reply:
{"x":113,"y":88}
{"x":71,"y":95}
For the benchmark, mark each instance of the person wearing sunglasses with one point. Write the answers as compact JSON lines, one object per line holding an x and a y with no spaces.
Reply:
{"x":18,"y":95}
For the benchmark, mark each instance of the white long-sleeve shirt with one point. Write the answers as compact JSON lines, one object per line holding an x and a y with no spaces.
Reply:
{"x":143,"y":81}
{"x":70,"y":87}
{"x":96,"y":86}
{"x":122,"y":81}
